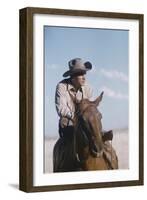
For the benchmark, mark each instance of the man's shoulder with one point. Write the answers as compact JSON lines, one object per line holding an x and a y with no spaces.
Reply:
{"x":63,"y":83}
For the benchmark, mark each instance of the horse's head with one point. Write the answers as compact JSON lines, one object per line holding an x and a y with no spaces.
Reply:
{"x":90,"y":120}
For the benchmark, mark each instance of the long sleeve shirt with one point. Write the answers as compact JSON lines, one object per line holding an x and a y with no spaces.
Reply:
{"x":64,"y":104}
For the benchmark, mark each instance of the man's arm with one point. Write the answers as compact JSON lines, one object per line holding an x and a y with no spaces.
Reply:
{"x":61,"y":102}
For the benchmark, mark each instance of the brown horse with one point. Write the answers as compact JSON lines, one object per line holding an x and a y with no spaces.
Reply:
{"x":86,"y":149}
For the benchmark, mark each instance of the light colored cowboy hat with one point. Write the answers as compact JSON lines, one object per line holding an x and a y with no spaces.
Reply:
{"x":77,"y":65}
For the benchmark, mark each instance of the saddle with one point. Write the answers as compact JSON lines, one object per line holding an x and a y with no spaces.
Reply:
{"x":110,"y":155}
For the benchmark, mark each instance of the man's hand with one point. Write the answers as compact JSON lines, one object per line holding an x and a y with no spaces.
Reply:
{"x":64,"y":122}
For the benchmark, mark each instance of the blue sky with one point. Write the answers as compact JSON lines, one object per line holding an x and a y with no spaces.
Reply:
{"x":107,"y":50}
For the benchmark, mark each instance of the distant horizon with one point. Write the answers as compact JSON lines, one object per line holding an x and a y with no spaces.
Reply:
{"x":115,"y":131}
{"x":107,"y":50}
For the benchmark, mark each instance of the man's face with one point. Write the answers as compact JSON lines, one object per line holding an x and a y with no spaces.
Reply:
{"x":79,"y":80}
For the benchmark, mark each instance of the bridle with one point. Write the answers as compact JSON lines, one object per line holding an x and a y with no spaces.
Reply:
{"x":85,"y":127}
{"x":79,"y":116}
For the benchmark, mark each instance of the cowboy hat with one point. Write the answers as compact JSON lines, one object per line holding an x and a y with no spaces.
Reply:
{"x":77,"y":65}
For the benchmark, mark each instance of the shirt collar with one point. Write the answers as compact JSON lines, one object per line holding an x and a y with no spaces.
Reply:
{"x":71,"y":87}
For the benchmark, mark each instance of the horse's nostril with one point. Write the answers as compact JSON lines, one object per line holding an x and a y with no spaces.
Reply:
{"x":93,"y":147}
{"x":96,"y":151}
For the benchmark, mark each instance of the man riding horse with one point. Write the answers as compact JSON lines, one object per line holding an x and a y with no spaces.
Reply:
{"x":74,"y":87}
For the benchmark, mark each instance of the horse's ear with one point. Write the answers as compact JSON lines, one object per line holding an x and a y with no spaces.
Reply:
{"x":98,"y":99}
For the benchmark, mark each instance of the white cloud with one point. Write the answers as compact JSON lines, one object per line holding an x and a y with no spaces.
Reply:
{"x":113,"y":94}
{"x":115,"y":74}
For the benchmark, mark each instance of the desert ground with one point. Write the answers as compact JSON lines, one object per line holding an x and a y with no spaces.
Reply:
{"x":120,"y":143}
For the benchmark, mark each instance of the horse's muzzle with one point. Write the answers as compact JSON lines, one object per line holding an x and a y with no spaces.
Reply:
{"x":96,"y":152}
